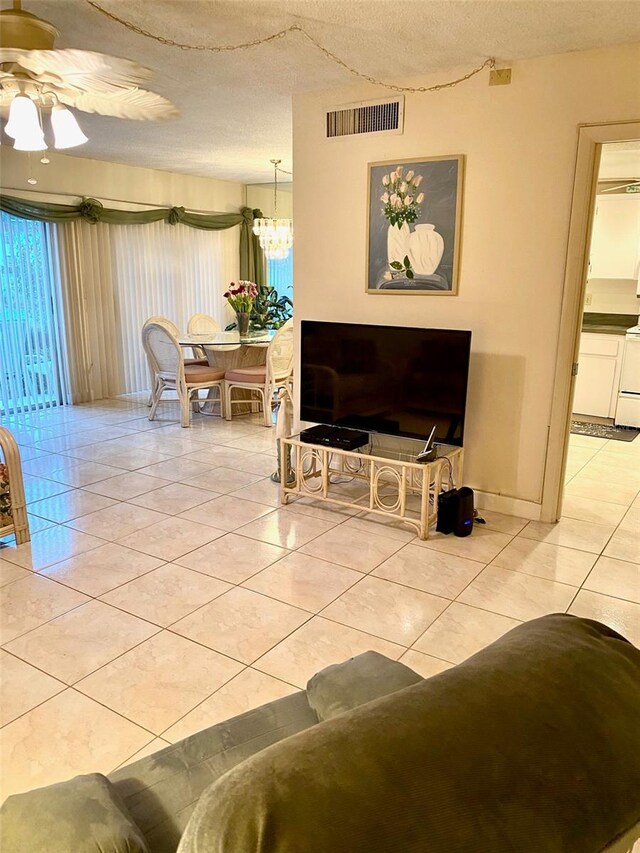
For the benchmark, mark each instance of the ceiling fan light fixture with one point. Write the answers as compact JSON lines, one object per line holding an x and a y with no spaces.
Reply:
{"x":34,"y":75}
{"x":23,"y":118}
{"x":66,"y":130}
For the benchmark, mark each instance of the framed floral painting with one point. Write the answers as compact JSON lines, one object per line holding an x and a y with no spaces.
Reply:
{"x":415,"y":209}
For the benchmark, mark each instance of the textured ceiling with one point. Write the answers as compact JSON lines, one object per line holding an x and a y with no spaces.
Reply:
{"x":235,"y":108}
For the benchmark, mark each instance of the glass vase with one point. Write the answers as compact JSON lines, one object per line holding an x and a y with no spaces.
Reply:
{"x":242,"y":321}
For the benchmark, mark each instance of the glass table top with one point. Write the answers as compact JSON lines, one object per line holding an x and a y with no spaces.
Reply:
{"x":221,"y":339}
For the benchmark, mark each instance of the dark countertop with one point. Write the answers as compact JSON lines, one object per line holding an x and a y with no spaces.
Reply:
{"x":608,"y":324}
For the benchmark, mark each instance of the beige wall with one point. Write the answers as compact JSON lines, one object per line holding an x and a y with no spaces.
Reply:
{"x":520,"y":143}
{"x":78,"y":176}
{"x":261,"y":196}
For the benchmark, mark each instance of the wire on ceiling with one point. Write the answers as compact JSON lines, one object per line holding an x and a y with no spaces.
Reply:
{"x":294,"y":28}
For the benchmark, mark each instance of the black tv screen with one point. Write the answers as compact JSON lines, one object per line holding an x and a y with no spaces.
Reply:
{"x":397,"y":381}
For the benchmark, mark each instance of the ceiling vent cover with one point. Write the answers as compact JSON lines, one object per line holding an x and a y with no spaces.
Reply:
{"x":366,"y":117}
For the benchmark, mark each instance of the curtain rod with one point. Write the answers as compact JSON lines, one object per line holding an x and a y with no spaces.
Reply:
{"x":5,"y":190}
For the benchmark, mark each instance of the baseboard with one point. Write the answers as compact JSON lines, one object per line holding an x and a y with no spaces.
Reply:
{"x":508,"y":506}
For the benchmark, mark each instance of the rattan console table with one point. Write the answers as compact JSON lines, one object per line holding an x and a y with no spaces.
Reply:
{"x":382,"y":481}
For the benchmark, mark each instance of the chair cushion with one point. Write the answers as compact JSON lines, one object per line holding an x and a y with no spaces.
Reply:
{"x":202,"y":373}
{"x":257,"y":375}
{"x":532,"y":744}
{"x":347,"y":685}
{"x":190,"y":361}
{"x":83,"y":815}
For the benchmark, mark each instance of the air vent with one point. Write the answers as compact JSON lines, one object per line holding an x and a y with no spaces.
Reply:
{"x":367,"y":117}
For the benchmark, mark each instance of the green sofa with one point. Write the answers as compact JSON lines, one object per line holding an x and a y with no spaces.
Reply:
{"x":533,"y":744}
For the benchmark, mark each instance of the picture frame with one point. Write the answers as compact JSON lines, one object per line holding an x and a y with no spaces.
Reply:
{"x":414,"y":223}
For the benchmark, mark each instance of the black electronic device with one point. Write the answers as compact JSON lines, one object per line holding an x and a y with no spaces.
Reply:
{"x":385,"y":379}
{"x":455,"y":511}
{"x":338,"y":437}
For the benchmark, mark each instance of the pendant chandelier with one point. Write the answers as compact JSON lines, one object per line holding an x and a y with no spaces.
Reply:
{"x":36,"y":80}
{"x":275,"y":235}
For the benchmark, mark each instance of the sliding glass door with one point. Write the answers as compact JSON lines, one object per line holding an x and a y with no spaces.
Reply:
{"x":31,"y":361}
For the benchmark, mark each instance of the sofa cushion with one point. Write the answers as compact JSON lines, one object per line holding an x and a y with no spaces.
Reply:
{"x":83,"y":815}
{"x":161,"y":790}
{"x":347,"y":685}
{"x":532,"y":744}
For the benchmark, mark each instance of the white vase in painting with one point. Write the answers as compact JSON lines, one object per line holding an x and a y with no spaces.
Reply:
{"x":398,"y":242}
{"x":426,"y":248}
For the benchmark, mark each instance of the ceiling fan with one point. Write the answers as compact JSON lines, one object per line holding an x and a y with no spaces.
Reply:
{"x":35,"y":79}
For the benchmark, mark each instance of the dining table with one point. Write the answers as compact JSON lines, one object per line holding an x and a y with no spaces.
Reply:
{"x":228,"y":350}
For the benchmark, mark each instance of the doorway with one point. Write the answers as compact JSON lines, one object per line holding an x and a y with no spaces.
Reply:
{"x":31,"y":371}
{"x":591,"y":139}
{"x":606,"y":402}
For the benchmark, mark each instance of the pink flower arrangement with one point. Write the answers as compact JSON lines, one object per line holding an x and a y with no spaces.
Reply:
{"x":241,"y":295}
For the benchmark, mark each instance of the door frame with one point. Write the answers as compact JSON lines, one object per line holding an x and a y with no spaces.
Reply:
{"x":590,"y":140}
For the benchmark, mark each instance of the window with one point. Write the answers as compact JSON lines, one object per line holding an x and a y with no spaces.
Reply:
{"x":31,"y":363}
{"x":280,"y":274}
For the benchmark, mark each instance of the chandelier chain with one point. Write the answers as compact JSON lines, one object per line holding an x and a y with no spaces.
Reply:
{"x":275,"y":190}
{"x":294,"y":28}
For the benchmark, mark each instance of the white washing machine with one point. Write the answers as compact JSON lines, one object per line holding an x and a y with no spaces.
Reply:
{"x":628,"y":408}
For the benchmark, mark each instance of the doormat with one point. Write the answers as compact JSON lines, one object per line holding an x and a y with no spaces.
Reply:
{"x":617,"y":433}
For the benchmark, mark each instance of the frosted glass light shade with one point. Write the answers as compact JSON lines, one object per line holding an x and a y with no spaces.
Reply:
{"x":30,"y":142}
{"x":66,"y":130}
{"x":23,"y":119}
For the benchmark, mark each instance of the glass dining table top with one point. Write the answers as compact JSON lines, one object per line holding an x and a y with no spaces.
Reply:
{"x":221,"y":339}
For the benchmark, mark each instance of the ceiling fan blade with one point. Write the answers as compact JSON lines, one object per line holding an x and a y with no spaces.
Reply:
{"x":84,"y":65}
{"x":137,"y":104}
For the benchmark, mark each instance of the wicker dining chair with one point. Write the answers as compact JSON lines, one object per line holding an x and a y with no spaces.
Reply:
{"x":266,"y":378}
{"x":201,"y":324}
{"x":170,"y":371}
{"x":173,"y":329}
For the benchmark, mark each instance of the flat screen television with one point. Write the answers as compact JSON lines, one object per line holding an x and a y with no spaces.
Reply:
{"x":386,"y":379}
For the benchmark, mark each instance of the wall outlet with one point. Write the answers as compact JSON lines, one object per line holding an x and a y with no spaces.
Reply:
{"x":588,"y":299}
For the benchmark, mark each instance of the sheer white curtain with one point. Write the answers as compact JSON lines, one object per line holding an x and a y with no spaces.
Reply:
{"x":115,"y":276}
{"x":86,"y":284}
{"x":175,"y":271}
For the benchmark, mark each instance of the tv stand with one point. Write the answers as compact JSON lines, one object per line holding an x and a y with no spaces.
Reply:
{"x":389,"y":483}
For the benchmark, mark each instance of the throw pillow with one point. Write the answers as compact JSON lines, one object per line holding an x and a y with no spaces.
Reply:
{"x":82,"y":815}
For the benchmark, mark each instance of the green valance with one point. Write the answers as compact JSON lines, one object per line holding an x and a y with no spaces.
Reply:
{"x":92,"y":210}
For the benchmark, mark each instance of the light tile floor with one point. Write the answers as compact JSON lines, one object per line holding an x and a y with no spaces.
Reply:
{"x":165,"y":589}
